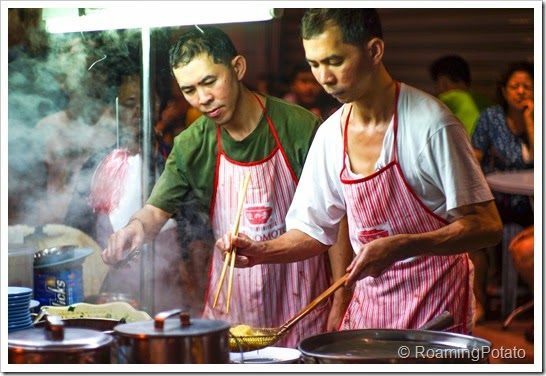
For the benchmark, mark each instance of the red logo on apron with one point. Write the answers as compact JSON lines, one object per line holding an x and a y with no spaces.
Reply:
{"x":367,"y":235}
{"x":258,"y":214}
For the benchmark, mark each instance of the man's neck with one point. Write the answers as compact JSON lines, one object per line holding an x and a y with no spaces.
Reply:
{"x":246,"y":117}
{"x":376,"y":106}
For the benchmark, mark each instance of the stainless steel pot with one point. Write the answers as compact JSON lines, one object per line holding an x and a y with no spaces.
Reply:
{"x":56,"y":344}
{"x":394,"y":346}
{"x":100,"y":324}
{"x":178,"y":340}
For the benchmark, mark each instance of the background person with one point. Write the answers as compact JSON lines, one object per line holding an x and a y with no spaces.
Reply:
{"x":400,"y":166}
{"x":307,"y":92}
{"x":504,"y":137}
{"x":108,"y":192}
{"x":240,"y":132}
{"x":452,"y":76}
{"x":68,"y":137}
{"x":503,"y":140}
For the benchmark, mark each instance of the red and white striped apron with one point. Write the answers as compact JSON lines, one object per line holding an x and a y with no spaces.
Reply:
{"x":412,"y":291}
{"x":265,"y":295}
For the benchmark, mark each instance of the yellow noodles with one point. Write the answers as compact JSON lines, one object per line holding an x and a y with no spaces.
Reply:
{"x":243,"y":331}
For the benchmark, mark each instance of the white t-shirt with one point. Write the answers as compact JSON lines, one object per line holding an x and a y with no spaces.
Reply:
{"x":434,"y":153}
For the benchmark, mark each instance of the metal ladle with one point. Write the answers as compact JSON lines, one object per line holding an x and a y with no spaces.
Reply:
{"x":269,"y":336}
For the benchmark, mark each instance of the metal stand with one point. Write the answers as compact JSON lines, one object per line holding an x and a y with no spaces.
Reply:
{"x":147,"y":269}
{"x":509,"y":273}
{"x":516,"y":312}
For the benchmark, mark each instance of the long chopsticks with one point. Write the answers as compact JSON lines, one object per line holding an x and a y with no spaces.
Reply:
{"x":230,"y":256}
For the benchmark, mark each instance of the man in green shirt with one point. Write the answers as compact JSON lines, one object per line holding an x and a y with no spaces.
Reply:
{"x":242,"y":132}
{"x":451,"y":74}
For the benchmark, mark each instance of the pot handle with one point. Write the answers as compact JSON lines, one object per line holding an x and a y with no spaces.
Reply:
{"x":159,"y":319}
{"x":54,"y":330}
{"x":441,"y":322}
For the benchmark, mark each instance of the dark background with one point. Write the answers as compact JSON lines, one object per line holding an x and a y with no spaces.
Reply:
{"x":488,"y":38}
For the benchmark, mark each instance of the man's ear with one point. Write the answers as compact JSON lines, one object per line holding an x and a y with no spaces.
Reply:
{"x":376,"y":47}
{"x":239,"y":66}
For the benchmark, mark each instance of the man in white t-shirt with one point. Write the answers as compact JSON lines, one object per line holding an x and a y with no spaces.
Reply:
{"x":399,"y":164}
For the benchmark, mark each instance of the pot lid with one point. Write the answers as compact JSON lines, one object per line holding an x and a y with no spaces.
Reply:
{"x":55,"y":256}
{"x":163,"y":326}
{"x":40,"y":339}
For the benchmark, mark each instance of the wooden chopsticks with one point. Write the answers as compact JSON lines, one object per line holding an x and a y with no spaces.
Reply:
{"x":230,"y":256}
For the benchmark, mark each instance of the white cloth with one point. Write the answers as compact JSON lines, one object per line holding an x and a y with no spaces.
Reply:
{"x":131,"y":198}
{"x":435,"y":156}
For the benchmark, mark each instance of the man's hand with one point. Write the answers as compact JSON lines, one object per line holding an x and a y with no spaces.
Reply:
{"x":374,"y":258}
{"x":243,"y":244}
{"x":129,"y":237}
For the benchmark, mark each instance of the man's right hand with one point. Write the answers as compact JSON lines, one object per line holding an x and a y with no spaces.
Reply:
{"x":129,"y":237}
{"x":243,"y":244}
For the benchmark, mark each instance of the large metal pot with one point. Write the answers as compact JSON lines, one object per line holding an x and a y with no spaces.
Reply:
{"x":173,"y":340}
{"x":394,"y":346}
{"x":56,"y":344}
{"x":100,"y":324}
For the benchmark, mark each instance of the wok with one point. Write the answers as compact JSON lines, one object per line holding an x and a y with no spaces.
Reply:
{"x":394,"y":346}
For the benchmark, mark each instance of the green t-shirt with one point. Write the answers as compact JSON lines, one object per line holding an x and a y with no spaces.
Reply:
{"x":188,"y":177}
{"x":466,"y":105}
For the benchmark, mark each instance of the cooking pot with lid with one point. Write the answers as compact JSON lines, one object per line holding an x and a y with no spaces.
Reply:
{"x":56,"y":344}
{"x":173,"y":338}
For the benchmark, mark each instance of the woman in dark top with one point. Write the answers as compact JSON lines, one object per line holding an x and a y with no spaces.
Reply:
{"x":504,"y":137}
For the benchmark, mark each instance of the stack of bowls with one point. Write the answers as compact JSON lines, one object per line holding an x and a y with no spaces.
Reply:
{"x":19,"y":301}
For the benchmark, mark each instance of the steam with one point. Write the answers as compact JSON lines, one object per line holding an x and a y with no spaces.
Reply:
{"x":75,"y":75}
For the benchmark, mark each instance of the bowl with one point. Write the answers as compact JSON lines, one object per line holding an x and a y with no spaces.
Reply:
{"x":258,"y":215}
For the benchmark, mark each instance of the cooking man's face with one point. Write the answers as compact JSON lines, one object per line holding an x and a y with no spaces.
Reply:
{"x":210,"y":88}
{"x":340,"y":68}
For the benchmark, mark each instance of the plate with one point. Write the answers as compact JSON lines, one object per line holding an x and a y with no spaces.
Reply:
{"x":33,"y":303}
{"x":114,"y":310}
{"x":15,"y":315}
{"x":20,"y":323}
{"x":267,"y":355}
{"x":19,"y":327}
{"x":24,"y":304}
{"x":19,"y":299}
{"x":15,"y":291}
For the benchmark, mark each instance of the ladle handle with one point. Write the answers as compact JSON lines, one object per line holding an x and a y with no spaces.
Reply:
{"x":319,"y":299}
{"x":441,"y":322}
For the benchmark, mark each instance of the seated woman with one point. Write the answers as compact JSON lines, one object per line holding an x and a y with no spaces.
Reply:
{"x":504,"y":137}
{"x":503,"y":140}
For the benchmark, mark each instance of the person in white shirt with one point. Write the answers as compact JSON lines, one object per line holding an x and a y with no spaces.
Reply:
{"x":399,"y":164}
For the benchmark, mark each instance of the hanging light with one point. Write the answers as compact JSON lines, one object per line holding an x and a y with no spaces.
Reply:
{"x":132,"y":15}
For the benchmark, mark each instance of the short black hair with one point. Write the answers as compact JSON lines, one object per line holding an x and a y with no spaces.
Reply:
{"x":453,"y":66}
{"x":202,"y":39}
{"x":298,"y":68}
{"x":358,"y":25}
